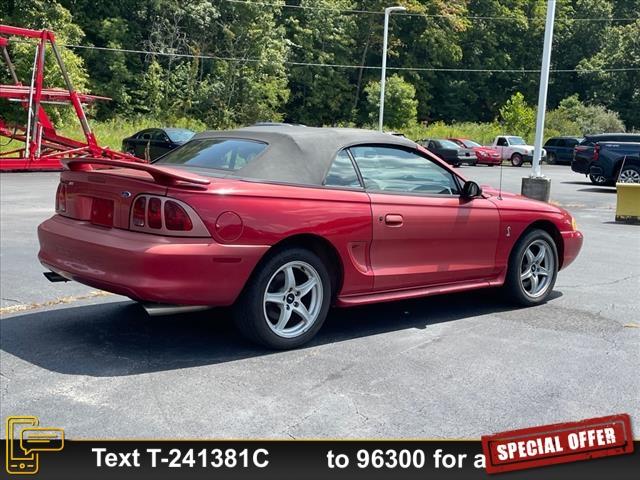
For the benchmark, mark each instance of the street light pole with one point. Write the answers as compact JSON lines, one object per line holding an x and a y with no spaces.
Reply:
{"x":383,"y":77}
{"x":537,"y":186}
{"x":544,"y":86}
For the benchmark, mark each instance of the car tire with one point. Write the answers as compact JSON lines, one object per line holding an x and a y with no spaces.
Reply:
{"x":516,"y":160}
{"x":600,"y":180}
{"x":551,"y":159}
{"x":533,"y":268}
{"x":629,"y":174}
{"x":272,"y":309}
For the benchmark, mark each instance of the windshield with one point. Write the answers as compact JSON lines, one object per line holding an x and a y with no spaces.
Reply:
{"x":448,"y":144}
{"x":517,"y":141}
{"x":216,"y":153}
{"x":179,"y":135}
{"x":470,"y":144}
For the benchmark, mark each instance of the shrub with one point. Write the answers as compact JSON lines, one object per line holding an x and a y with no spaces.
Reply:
{"x":400,"y":105}
{"x":517,"y":117}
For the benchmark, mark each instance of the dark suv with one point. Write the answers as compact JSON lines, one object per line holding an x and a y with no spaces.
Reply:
{"x":560,"y":149}
{"x":585,"y":153}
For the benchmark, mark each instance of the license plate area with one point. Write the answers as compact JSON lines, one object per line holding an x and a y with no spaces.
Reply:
{"x":102,"y":212}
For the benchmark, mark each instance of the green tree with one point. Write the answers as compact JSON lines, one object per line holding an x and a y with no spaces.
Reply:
{"x":572,"y":117}
{"x":517,"y":117}
{"x":51,"y":15}
{"x":618,"y":89}
{"x":400,"y":105}
{"x":320,"y":95}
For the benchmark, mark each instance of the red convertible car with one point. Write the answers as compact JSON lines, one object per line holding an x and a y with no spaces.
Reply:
{"x":485,"y":155}
{"x":282,"y":222}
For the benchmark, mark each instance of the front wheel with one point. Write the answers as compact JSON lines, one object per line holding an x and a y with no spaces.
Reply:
{"x":516,"y":160}
{"x":286,"y":301}
{"x":551,"y":159}
{"x":533,"y":268}
{"x":629,"y":174}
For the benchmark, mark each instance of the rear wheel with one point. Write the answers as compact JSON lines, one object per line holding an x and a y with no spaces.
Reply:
{"x":286,"y":301}
{"x":533,"y":268}
{"x":516,"y":160}
{"x":629,"y":174}
{"x":598,"y":179}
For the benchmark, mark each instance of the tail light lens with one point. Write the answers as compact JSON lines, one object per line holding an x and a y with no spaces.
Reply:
{"x":596,"y":152}
{"x":154,"y":215}
{"x":164,"y":216}
{"x":61,"y":198}
{"x":102,"y":212}
{"x":176,"y":218}
{"x":139,"y":210}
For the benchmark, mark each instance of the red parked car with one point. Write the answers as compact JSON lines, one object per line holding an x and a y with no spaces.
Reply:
{"x":283,"y":222}
{"x":486,"y":155}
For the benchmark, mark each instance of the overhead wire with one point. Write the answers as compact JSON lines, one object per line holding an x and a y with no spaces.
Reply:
{"x":346,"y":66}
{"x":426,"y":15}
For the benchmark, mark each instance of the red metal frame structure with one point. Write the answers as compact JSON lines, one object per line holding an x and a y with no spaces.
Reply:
{"x":43,"y":146}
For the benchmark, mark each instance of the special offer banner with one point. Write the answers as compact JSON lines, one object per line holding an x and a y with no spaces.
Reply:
{"x":588,"y":449}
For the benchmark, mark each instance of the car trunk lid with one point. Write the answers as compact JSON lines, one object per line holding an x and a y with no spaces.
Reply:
{"x":104,"y":196}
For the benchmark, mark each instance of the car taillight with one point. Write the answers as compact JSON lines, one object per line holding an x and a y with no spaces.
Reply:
{"x":175,"y":217}
{"x":61,"y":198}
{"x":102,"y":212}
{"x":165,"y":216}
{"x":596,"y":153}
{"x":154,"y":214}
{"x":138,"y":216}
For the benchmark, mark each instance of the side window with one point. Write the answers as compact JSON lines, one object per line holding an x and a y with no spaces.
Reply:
{"x":394,"y":170}
{"x":146,"y":135}
{"x":502,"y":142}
{"x":571,"y":142}
{"x":159,"y":135}
{"x":342,"y":173}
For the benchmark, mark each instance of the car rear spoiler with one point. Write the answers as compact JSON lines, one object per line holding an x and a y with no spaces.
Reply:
{"x":162,"y":175}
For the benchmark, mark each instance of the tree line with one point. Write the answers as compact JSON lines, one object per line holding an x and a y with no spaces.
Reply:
{"x":234,"y":62}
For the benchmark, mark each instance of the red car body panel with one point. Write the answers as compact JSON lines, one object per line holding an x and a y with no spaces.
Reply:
{"x":485,"y":155}
{"x":388,"y":246}
{"x":151,"y":268}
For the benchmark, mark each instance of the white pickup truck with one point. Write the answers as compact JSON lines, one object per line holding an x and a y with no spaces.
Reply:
{"x":514,"y":149}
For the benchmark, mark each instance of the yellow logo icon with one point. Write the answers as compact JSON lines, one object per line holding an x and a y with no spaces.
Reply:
{"x":25,"y":440}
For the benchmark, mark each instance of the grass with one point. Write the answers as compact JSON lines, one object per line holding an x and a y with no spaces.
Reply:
{"x":483,"y":133}
{"x":111,"y":132}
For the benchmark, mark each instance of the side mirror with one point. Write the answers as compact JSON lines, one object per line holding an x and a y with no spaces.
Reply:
{"x":471,"y":190}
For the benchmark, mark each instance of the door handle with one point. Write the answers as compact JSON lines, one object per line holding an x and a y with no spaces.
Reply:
{"x":393,"y":220}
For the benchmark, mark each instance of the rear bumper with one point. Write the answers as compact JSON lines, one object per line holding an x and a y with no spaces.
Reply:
{"x":580,"y":165}
{"x":488,"y":160}
{"x":572,"y":242}
{"x":456,"y":162}
{"x":144,"y":267}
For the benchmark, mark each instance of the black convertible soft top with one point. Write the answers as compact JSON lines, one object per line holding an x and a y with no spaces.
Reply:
{"x":298,"y":154}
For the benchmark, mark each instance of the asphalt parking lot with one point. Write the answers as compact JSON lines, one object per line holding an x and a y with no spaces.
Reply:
{"x":455,"y":366}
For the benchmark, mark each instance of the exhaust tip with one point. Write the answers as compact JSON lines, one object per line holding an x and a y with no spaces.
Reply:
{"x":55,"y":277}
{"x":160,"y":309}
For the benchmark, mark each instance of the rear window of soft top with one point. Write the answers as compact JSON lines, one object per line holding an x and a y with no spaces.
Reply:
{"x":230,"y":154}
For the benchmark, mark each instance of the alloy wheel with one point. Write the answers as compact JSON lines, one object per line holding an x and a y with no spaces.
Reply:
{"x":629,"y":175}
{"x":598,"y":179}
{"x":537,"y":268}
{"x":293,"y":299}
